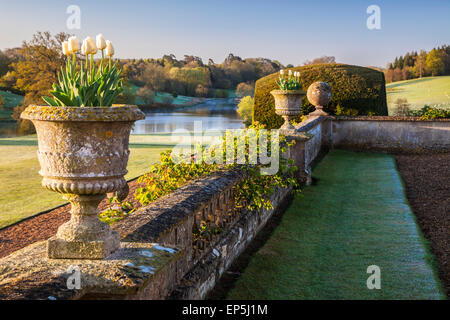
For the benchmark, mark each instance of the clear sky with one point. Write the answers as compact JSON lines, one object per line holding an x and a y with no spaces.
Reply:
{"x":287,"y":30}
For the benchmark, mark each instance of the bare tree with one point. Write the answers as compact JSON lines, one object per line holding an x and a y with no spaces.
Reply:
{"x":323,"y":59}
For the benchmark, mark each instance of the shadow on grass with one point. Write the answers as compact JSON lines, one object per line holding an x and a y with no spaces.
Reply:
{"x":9,"y":142}
{"x":402,"y":83}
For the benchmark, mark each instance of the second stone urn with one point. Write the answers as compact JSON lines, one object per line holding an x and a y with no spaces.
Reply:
{"x":288,"y":104}
{"x":83,"y":154}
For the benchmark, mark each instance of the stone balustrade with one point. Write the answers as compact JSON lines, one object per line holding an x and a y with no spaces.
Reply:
{"x":161,"y":254}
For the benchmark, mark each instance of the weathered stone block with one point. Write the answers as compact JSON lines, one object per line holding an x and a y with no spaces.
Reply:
{"x":99,"y":249}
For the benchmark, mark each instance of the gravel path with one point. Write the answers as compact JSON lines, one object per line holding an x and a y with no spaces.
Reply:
{"x":43,"y":226}
{"x":427,"y":181}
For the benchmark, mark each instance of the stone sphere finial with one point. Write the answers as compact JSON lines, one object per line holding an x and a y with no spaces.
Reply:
{"x":319,"y":95}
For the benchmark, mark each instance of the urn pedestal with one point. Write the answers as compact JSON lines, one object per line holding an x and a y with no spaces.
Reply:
{"x":83,"y":154}
{"x":288,"y":104}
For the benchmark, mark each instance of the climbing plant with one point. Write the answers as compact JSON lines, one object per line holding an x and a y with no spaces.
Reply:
{"x":251,"y":193}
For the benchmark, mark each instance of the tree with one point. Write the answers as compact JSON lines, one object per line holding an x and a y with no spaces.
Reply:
{"x":435,"y":62}
{"x":146,"y":94}
{"x":2,"y":102}
{"x":4,"y":63}
{"x":406,"y":73}
{"x":420,"y":63}
{"x":201,"y":91}
{"x":244,"y":89}
{"x":41,"y":61}
{"x":323,"y":59}
{"x":245,"y":109}
{"x":396,"y":63}
{"x":154,"y":77}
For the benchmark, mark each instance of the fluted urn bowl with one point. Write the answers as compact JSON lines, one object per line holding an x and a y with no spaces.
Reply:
{"x":288,"y":104}
{"x":83,"y":154}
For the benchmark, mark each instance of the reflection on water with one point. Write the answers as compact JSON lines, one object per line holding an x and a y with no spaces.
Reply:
{"x":214,"y":114}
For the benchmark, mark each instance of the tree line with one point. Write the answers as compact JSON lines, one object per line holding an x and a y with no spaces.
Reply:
{"x":415,"y":64}
{"x":190,"y":76}
{"x":31,"y":70}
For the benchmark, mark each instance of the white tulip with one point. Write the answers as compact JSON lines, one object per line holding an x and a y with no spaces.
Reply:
{"x":73,"y":45}
{"x":100,"y":41}
{"x":65,"y":48}
{"x":92,"y":48}
{"x":84,"y":47}
{"x":109,"y":48}
{"x":281,"y":71}
{"x":290,"y":72}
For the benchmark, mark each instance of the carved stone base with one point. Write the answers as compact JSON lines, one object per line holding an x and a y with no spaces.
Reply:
{"x":318,"y":112}
{"x":84,"y":236}
{"x":63,"y":249}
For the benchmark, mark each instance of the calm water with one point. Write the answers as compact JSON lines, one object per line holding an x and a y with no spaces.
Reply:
{"x":213,"y":114}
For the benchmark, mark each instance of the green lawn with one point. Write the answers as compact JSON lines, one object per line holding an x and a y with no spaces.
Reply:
{"x":431,"y":91}
{"x":11,"y":100}
{"x":20,"y":183}
{"x":355,"y":216}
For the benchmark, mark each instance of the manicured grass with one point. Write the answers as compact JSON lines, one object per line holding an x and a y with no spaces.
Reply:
{"x":20,"y":183}
{"x":433,"y":91}
{"x":11,"y":100}
{"x":355,"y":216}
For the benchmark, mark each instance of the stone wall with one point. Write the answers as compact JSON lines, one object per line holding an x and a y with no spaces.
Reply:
{"x":391,"y":134}
{"x":366,"y":133}
{"x":159,"y":257}
{"x":316,"y":139}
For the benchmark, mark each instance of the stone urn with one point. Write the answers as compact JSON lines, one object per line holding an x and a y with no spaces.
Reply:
{"x":83,"y":154}
{"x":288,"y":104}
{"x":319,"y":95}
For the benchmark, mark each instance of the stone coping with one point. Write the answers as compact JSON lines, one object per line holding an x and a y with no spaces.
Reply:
{"x":310,"y":123}
{"x":29,"y":274}
{"x":385,"y":118}
{"x":114,"y":113}
{"x":152,"y":221}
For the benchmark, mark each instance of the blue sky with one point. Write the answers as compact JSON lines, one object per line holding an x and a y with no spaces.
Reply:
{"x":286,"y":30}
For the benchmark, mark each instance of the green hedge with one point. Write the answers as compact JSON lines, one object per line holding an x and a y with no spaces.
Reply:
{"x":355,"y":89}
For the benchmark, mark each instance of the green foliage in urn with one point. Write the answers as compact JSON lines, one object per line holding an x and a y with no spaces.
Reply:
{"x":82,"y":85}
{"x":354,"y":87}
{"x":289,"y":82}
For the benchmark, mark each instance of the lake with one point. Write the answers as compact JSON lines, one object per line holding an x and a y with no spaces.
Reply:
{"x":213,"y":114}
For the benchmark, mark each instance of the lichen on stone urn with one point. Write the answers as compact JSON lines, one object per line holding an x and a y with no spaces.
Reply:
{"x":319,"y":95}
{"x":83,"y":153}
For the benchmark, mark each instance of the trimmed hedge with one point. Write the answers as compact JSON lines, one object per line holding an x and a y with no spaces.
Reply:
{"x":355,"y":89}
